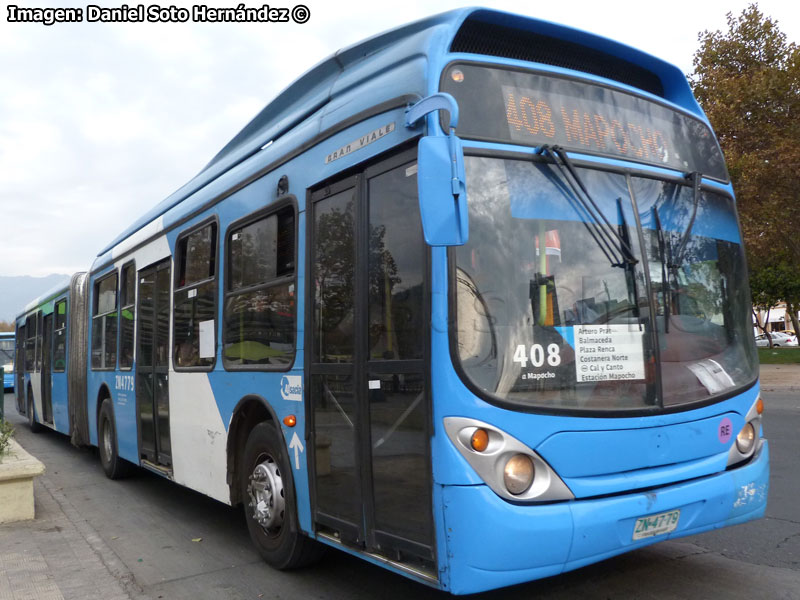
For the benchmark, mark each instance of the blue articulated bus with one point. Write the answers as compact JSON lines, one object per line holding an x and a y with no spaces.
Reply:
{"x":7,"y":358}
{"x":45,"y":362}
{"x":467,"y":300}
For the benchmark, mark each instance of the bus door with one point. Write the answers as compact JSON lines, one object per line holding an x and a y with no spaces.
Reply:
{"x":47,"y":361}
{"x":152,"y":365}
{"x":19,"y":369}
{"x":367,"y":350}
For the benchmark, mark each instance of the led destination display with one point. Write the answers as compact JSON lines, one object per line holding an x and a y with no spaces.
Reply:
{"x":535,"y":109}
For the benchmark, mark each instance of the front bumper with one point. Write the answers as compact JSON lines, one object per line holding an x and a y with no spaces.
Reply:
{"x":493,"y":543}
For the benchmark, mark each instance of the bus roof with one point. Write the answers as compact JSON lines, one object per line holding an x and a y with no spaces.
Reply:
{"x":319,"y":85}
{"x":50,"y":294}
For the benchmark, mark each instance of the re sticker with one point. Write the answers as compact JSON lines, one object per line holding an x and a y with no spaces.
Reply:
{"x":725,"y":430}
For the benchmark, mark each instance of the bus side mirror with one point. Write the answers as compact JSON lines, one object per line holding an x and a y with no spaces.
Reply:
{"x":440,"y":177}
{"x":442,"y":191}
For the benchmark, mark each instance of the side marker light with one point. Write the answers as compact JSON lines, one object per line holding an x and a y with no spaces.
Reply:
{"x":479,"y":440}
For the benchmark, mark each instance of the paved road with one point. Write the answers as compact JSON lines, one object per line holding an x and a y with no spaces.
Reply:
{"x":145,"y":526}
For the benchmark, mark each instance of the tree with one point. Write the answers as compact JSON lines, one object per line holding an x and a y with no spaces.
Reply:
{"x":748,"y":82}
{"x":772,"y":279}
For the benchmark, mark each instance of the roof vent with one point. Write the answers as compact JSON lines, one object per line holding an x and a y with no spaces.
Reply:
{"x":478,"y":37}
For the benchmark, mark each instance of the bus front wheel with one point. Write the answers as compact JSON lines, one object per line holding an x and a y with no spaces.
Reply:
{"x":269,"y":502}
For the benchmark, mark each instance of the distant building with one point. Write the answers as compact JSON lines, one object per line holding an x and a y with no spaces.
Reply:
{"x":779,"y":319}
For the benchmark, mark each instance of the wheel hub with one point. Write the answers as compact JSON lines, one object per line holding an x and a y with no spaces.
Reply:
{"x":267,"y":502}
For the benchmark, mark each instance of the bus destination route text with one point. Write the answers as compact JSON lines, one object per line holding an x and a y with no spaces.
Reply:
{"x":608,"y":353}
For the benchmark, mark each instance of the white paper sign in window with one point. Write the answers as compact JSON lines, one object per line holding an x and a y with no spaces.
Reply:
{"x":608,"y":352}
{"x":207,"y":349}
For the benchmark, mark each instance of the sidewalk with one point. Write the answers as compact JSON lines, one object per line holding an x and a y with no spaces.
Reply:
{"x":58,"y":556}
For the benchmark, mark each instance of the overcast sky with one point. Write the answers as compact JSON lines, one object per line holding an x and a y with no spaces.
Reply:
{"x":98,"y":122}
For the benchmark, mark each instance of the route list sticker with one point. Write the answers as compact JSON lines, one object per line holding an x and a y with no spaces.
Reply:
{"x":608,"y":352}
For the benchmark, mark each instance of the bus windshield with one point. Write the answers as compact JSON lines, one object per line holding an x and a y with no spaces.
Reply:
{"x":547,"y":316}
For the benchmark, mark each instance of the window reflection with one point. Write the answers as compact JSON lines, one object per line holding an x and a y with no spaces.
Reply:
{"x":334,"y":268}
{"x":194,"y":318}
{"x":544,"y":317}
{"x":396,"y":260}
{"x":104,"y":324}
{"x":260,"y":304}
{"x":60,"y":337}
{"x":700,"y":290}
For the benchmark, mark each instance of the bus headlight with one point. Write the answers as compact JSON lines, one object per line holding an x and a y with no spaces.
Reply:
{"x":749,"y":438}
{"x":746,"y":438}
{"x":518,"y":474}
{"x":513,"y":470}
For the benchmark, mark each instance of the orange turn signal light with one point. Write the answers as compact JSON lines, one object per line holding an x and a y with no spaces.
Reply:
{"x":759,"y":405}
{"x":290,"y":421}
{"x":479,"y":440}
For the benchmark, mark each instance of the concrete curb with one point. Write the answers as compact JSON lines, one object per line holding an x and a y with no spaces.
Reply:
{"x":17,"y":471}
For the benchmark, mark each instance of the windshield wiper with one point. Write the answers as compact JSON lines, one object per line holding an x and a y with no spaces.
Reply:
{"x":662,"y":255}
{"x":630,"y":275}
{"x":695,"y":178}
{"x":616,"y":249}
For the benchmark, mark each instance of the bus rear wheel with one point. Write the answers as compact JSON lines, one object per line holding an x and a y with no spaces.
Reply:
{"x":269,"y":502}
{"x":114,"y":466}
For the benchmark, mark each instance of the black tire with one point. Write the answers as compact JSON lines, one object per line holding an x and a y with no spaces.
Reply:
{"x":266,"y":474}
{"x":32,"y":422}
{"x":114,"y":466}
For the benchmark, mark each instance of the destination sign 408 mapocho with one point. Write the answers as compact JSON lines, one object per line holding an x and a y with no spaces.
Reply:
{"x":523,"y":107}
{"x":529,"y":116}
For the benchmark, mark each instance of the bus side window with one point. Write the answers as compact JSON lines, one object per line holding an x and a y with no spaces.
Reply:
{"x":260,"y":303}
{"x":127,"y":301}
{"x":104,"y":323}
{"x":60,"y":334}
{"x":195,"y":299}
{"x":30,"y":343}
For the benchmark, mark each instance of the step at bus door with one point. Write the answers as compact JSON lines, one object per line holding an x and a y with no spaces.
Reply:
{"x":152,"y":365}
{"x":367,"y":351}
